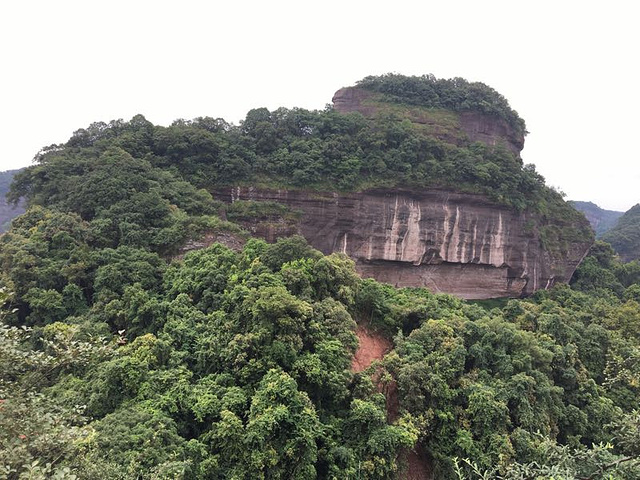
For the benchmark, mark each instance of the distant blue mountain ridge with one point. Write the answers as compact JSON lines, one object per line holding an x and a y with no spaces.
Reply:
{"x":8,"y":212}
{"x":601,"y":220}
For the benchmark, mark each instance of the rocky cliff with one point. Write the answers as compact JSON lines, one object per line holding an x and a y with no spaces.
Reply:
{"x":422,"y":186}
{"x":463,"y":238}
{"x":455,"y":243}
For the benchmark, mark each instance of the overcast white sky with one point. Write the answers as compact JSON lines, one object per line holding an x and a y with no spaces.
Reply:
{"x":570,"y":69}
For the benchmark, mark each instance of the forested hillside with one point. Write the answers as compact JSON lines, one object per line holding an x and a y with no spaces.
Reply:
{"x":236,"y":365}
{"x":122,"y":358}
{"x":601,"y":220}
{"x":624,"y":237}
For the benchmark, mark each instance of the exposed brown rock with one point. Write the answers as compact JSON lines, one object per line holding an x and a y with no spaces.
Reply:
{"x":418,"y":464}
{"x":455,"y":243}
{"x":490,"y":130}
{"x":372,"y":347}
{"x":351,"y":99}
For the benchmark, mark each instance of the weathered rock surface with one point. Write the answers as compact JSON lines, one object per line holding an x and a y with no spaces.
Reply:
{"x":233,"y":241}
{"x":458,"y":127}
{"x":455,"y":243}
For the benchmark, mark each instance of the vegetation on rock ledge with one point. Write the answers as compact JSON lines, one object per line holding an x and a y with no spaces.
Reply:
{"x":456,"y":94}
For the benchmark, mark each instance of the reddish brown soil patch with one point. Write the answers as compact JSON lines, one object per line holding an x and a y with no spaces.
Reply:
{"x":372,"y":347}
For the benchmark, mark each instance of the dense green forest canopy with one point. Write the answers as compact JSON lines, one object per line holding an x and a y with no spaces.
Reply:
{"x":297,"y":148}
{"x":237,"y":365}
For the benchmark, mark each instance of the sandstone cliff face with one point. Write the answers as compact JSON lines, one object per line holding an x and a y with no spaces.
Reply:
{"x":461,"y":244}
{"x":460,"y":127}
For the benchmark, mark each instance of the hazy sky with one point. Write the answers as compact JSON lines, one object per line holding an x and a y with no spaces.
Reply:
{"x":570,"y":69}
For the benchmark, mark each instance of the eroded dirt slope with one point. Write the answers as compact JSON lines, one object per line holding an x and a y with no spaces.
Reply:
{"x":372,"y":347}
{"x":416,"y":465}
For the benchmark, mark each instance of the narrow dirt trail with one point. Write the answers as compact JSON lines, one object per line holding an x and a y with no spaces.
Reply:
{"x":374,"y":347}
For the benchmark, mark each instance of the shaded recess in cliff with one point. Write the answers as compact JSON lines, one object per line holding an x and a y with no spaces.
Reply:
{"x":449,"y":242}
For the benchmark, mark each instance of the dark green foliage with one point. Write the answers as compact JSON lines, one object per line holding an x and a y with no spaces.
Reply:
{"x":139,"y":440}
{"x":41,"y":435}
{"x":126,"y":200}
{"x":48,"y":264}
{"x":602,"y":270}
{"x":625,"y":236}
{"x":294,"y":148}
{"x":287,"y":250}
{"x":596,"y":271}
{"x":552,"y":366}
{"x":237,"y":365}
{"x":216,"y":368}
